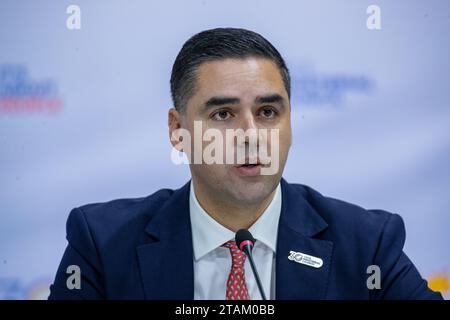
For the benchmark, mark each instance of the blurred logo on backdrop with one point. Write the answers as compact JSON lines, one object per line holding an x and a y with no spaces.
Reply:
{"x":16,"y":289}
{"x":22,"y":94}
{"x":313,"y":88}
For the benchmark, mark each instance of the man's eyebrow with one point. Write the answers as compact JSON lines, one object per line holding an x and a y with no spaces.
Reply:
{"x":220,"y":101}
{"x":271,"y":98}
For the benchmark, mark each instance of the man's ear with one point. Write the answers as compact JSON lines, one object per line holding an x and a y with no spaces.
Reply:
{"x":174,"y":122}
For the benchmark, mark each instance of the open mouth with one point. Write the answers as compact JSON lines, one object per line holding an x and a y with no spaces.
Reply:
{"x":248,"y":165}
{"x":249,"y":169}
{"x":249,"y":162}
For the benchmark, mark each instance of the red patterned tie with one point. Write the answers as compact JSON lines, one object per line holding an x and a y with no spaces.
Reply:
{"x":236,"y":286}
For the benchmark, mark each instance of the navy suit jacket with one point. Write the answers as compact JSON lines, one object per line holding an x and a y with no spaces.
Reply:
{"x":142,"y":249}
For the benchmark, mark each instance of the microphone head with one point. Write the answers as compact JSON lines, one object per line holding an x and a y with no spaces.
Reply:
{"x":243,"y":238}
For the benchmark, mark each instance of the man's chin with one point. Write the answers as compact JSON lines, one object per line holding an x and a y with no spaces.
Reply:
{"x":250,"y":192}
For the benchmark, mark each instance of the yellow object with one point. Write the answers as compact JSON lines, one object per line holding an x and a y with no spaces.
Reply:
{"x":440,"y":282}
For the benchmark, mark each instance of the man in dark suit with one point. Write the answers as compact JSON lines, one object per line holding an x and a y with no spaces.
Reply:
{"x":179,"y":244}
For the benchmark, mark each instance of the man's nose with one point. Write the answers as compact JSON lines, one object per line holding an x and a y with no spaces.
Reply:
{"x":247,"y":121}
{"x":248,"y":124}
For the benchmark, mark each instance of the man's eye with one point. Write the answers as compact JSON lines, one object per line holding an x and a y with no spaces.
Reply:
{"x":268,"y":113}
{"x":221,"y":115}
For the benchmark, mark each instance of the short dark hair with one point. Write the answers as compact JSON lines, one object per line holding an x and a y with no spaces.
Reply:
{"x":218,"y":44}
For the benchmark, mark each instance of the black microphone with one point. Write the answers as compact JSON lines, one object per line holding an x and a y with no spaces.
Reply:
{"x":245,"y":242}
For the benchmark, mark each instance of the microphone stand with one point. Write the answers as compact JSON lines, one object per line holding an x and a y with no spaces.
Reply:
{"x":247,"y":251}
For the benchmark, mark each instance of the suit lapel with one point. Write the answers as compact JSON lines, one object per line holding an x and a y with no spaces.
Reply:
{"x":299,"y":223}
{"x":166,"y":262}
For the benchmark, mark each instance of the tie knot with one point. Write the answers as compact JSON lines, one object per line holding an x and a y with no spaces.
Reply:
{"x":237,"y":256}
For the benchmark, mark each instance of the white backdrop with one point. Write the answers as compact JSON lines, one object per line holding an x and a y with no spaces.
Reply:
{"x":83,"y":113}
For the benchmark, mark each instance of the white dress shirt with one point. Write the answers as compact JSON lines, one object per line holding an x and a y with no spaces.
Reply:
{"x":212,"y":263}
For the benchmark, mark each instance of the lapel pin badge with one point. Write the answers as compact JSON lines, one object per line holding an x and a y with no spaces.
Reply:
{"x":305,"y":259}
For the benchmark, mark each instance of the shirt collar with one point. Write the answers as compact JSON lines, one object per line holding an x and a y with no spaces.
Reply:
{"x":208,"y":234}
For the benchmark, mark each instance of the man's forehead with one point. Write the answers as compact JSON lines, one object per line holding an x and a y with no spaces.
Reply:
{"x":244,"y":78}
{"x":230,"y":68}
